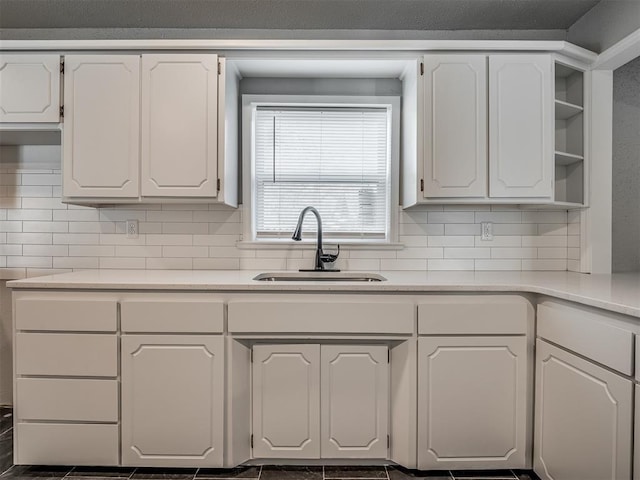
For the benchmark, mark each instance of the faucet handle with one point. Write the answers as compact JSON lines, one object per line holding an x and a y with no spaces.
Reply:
{"x":330,"y":257}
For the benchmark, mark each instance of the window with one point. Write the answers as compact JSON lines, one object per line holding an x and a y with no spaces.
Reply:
{"x":333,"y":155}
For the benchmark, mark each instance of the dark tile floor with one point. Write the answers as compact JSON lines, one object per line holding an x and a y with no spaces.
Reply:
{"x":10,"y":472}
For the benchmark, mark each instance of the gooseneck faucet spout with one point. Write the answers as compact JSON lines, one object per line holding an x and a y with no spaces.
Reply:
{"x":321,"y":257}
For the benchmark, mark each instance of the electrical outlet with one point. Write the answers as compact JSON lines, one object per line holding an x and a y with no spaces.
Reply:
{"x":487,"y":231}
{"x":132,"y":228}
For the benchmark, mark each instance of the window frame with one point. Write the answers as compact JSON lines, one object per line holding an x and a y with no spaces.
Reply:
{"x":249,"y":104}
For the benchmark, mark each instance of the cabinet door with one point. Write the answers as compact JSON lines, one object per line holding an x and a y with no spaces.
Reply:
{"x":355,"y":401}
{"x":30,"y":88}
{"x":179,"y":125}
{"x":583,"y":419}
{"x":520,"y":126}
{"x":286,"y":401}
{"x":455,"y":125}
{"x":101,"y":126}
{"x":172,"y":400}
{"x":472,"y":398}
{"x":636,"y":455}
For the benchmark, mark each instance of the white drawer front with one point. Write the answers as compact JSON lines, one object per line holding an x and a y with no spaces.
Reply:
{"x":321,"y":317}
{"x":64,"y":399}
{"x":587,"y":333}
{"x":157,"y":316}
{"x":88,"y":315}
{"x":66,"y":444}
{"x":474,"y":314}
{"x":72,"y":354}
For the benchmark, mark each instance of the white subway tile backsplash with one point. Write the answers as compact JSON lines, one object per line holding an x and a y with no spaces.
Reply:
{"x":451,"y":217}
{"x":450,"y":252}
{"x":120,"y":262}
{"x":403,"y":264}
{"x":23,"y":214}
{"x":549,"y":241}
{"x":22,"y":261}
{"x":499,"y":241}
{"x":45,"y":250}
{"x":190,"y":228}
{"x":10,"y":226}
{"x":30,"y":238}
{"x":216,"y":263}
{"x":498,"y":264}
{"x":39,"y":233}
{"x":137,"y":250}
{"x":184,"y":251}
{"x":54,"y":227}
{"x":514,"y":252}
{"x":159,"y":263}
{"x":462,"y":229}
{"x":76,"y":238}
{"x":92,"y":251}
{"x":76,"y":262}
{"x":10,"y":250}
{"x":544,"y":264}
{"x":500,"y":217}
{"x":452,"y":241}
{"x":451,"y":264}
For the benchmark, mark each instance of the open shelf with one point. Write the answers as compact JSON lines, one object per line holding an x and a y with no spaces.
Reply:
{"x":569,"y":142}
{"x":565,"y":110}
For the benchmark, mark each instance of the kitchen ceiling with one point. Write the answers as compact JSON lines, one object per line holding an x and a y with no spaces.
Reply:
{"x":296,"y":14}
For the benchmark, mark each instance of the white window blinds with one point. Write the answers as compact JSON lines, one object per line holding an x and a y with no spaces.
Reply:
{"x":335,"y":159}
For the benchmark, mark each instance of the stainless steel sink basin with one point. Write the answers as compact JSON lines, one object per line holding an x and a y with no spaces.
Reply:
{"x":319,"y":277}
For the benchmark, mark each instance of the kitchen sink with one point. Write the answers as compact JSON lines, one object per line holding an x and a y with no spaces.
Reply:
{"x":319,"y":276}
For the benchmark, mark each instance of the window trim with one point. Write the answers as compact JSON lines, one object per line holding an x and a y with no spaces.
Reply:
{"x":249,"y":104}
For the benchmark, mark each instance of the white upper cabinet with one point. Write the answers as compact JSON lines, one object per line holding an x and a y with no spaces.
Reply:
{"x":520,"y":126}
{"x":179,"y":125}
{"x":101,"y":126}
{"x":29,"y":88}
{"x":455,"y":99}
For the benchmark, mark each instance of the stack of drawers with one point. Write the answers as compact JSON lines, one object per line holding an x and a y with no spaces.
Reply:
{"x":66,"y":367}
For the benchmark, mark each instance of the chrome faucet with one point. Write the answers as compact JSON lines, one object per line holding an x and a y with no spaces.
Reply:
{"x":321,"y":257}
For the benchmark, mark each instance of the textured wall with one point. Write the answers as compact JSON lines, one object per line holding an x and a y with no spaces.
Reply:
{"x":626,"y":168}
{"x":606,"y":24}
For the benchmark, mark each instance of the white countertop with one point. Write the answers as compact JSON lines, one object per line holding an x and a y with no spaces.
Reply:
{"x":618,"y":293}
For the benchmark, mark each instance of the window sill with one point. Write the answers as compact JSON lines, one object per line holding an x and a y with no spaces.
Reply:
{"x":311,"y":245}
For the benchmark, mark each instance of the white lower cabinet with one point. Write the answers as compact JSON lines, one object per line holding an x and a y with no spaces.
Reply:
{"x":636,"y":455}
{"x":320,"y":401}
{"x":472,"y":402}
{"x":583,"y":418}
{"x":172,"y":400}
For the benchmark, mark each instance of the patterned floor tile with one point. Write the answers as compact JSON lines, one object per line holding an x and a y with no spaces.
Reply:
{"x":291,"y":473}
{"x":40,"y":472}
{"x":164,"y":473}
{"x":483,"y":474}
{"x":227,"y":473}
{"x":354,"y":472}
{"x":399,"y":473}
{"x":101,"y":472}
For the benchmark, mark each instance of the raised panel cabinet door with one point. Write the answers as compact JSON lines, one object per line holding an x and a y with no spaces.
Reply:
{"x":286,"y":401}
{"x":172,"y":400}
{"x":472,"y":400}
{"x":583,"y":419}
{"x":179,"y":125}
{"x":355,"y":401}
{"x":29,"y":88}
{"x":521,"y":162}
{"x":455,"y":92}
{"x":100,"y":141}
